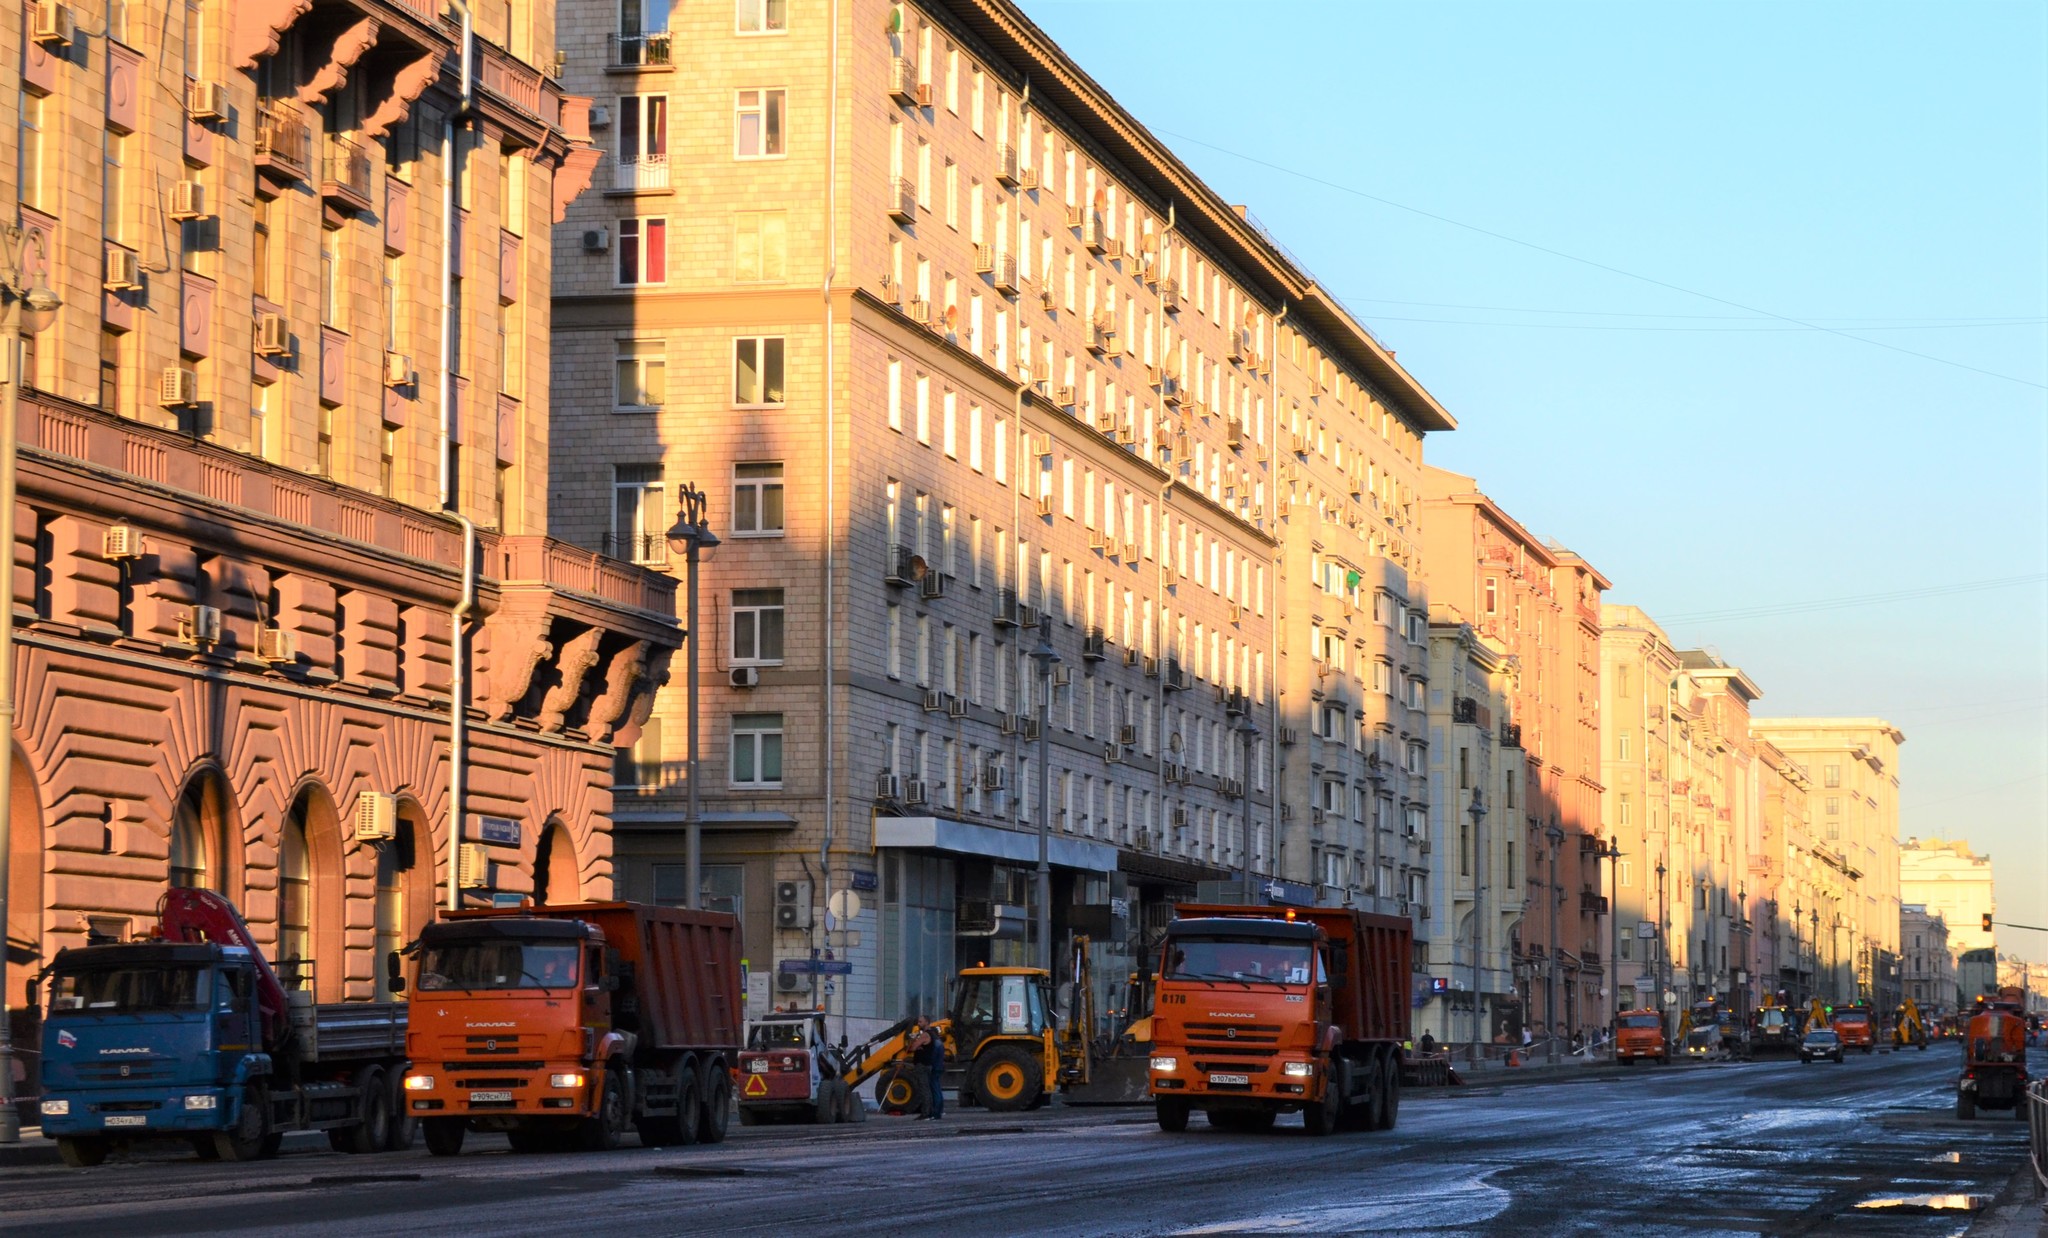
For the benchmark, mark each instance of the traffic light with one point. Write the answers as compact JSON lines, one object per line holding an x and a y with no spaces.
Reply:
{"x":1987,"y":921}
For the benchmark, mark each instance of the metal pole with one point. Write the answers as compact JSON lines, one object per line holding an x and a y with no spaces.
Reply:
{"x":1480,"y":853}
{"x":1613,"y":935}
{"x":693,"y":827}
{"x":1550,"y":987}
{"x":10,"y":1121}
{"x":1046,"y":659}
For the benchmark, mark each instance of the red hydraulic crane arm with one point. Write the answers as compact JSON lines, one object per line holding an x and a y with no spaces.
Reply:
{"x":203,"y":916}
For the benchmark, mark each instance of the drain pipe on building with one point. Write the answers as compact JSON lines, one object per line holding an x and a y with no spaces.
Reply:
{"x":1273,"y":793}
{"x":458,"y":662}
{"x":829,"y":733}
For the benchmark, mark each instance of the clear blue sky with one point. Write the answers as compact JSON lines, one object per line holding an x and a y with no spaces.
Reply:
{"x":1877,"y":169}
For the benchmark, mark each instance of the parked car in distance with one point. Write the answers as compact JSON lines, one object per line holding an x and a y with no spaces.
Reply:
{"x":1821,"y":1042}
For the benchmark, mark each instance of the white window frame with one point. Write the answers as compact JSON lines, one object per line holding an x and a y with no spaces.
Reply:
{"x":625,"y":351}
{"x":649,"y":167}
{"x":747,"y":618}
{"x":756,"y":736}
{"x":763,"y":12}
{"x":775,"y":112}
{"x":760,"y":485}
{"x":760,"y":343}
{"x":640,"y":224}
{"x":647,"y":543}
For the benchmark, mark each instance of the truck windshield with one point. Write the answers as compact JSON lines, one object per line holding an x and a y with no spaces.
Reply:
{"x":127,"y":990}
{"x":777,"y":1036}
{"x":1239,"y":958}
{"x":497,"y":964}
{"x":1641,"y":1020}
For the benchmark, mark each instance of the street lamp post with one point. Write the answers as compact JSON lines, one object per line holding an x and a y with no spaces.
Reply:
{"x":1663,"y":977}
{"x":1047,"y":658}
{"x":1479,"y":849}
{"x":1813,"y":917}
{"x":1247,"y":731}
{"x":1613,"y":854}
{"x":691,"y":535}
{"x":42,"y":305}
{"x":1556,"y":837}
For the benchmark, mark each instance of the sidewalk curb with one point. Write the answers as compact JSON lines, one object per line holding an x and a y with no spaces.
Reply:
{"x":2015,"y":1213}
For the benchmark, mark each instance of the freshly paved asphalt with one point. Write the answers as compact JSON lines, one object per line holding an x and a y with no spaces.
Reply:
{"x":1773,"y":1148}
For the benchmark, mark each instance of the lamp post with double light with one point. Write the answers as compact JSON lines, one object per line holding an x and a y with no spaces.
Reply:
{"x":1556,"y":837}
{"x":690,"y":537}
{"x":1047,"y":658}
{"x":23,"y":305}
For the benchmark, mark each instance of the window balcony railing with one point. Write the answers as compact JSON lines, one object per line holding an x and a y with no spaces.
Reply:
{"x":638,"y":51}
{"x":647,"y":549}
{"x":345,"y":173}
{"x":631,"y":172}
{"x":283,"y":143}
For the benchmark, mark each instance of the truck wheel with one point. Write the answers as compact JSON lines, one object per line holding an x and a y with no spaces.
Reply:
{"x":444,"y":1135}
{"x":602,"y":1129}
{"x":829,"y":1104}
{"x":250,"y":1138}
{"x":856,"y":1110}
{"x":365,"y":1136}
{"x":686,"y":1106}
{"x":716,"y":1114}
{"x":1007,"y":1079}
{"x":202,"y":1147}
{"x":2019,"y":1108}
{"x":1172,"y":1114}
{"x":1390,"y":1106}
{"x":1321,"y":1118}
{"x":1966,"y":1106}
{"x":400,"y":1126}
{"x":904,"y":1089}
{"x":84,"y":1151}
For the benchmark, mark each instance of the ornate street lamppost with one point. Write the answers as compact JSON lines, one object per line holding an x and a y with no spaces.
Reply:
{"x":23,"y":304}
{"x":1556,"y":837}
{"x":1047,"y":658}
{"x":692,"y":535}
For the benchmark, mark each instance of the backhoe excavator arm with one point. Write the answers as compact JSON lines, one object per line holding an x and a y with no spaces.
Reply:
{"x":892,"y":1045}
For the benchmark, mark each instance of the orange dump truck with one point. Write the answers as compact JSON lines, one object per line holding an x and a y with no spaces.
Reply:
{"x":1856,"y":1028}
{"x":562,"y":1025}
{"x":1994,"y":1058}
{"x":1261,"y":1011}
{"x":1640,"y":1034}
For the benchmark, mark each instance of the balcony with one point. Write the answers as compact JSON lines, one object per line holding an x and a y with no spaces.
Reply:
{"x":1510,"y":734}
{"x":626,"y":52}
{"x":646,"y":549}
{"x":345,"y":175}
{"x":637,"y":174}
{"x":283,"y":143}
{"x":1592,"y":904}
{"x":902,"y":201}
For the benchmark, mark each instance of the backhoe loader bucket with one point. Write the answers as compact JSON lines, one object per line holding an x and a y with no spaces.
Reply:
{"x":1113,"y":1081}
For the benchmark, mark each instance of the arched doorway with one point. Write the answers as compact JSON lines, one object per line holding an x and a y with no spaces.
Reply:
{"x":204,"y":843}
{"x":311,"y":931}
{"x":405,"y":889}
{"x":557,"y":874}
{"x":21,"y":946}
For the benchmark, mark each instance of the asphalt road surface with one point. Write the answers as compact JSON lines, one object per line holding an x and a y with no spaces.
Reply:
{"x":1695,"y":1150}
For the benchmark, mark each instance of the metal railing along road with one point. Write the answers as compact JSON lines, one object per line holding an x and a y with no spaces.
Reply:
{"x":2037,"y":1138}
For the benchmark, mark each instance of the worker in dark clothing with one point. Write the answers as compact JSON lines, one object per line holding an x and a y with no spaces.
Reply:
{"x":928,"y":1049}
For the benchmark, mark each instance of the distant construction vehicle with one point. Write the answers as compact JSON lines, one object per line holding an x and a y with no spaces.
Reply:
{"x":1994,"y":1058}
{"x":1910,"y":1029}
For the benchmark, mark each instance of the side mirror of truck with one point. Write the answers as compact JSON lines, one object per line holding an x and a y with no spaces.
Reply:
{"x":394,"y":972}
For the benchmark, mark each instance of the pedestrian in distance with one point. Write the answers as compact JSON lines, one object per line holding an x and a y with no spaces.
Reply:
{"x":928,"y":1049}
{"x":1428,"y":1044}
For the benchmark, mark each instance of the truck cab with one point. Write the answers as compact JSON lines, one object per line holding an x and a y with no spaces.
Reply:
{"x":149,"y":1040}
{"x":1639,"y":1035}
{"x":1856,"y":1028}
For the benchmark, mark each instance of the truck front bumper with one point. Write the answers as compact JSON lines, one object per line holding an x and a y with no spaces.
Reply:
{"x":1264,"y":1083}
{"x":473,"y":1090}
{"x":138,"y":1111}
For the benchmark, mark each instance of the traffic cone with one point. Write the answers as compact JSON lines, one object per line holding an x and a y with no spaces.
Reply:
{"x":1514,"y":1057}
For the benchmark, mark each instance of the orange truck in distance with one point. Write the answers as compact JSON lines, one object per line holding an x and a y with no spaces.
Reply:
{"x":1856,"y":1028}
{"x":562,"y":1025}
{"x":1261,"y":1011}
{"x":1640,"y":1034}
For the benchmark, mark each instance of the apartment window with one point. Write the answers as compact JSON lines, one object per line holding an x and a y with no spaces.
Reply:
{"x":387,"y":463}
{"x":643,"y":251}
{"x":113,"y":183}
{"x":1834,"y":805}
{"x":1623,"y":746}
{"x":639,"y":522}
{"x":757,"y":372}
{"x":110,"y":371}
{"x":1492,"y":602}
{"x":757,"y":124}
{"x":1626,"y":810}
{"x":757,"y":750}
{"x":757,"y":500}
{"x":1831,"y":775}
{"x":756,"y":627}
{"x":29,"y":159}
{"x":259,"y":257}
{"x":394,"y":286}
{"x":330,"y":277}
{"x":763,"y":16}
{"x":640,"y":375}
{"x":261,"y":397}
{"x":643,"y":143}
{"x":760,"y":247}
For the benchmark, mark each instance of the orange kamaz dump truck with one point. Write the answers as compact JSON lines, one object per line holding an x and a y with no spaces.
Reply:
{"x":561,"y":1026}
{"x":1261,"y":1011}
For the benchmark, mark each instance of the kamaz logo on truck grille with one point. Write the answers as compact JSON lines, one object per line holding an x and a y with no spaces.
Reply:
{"x":111,"y":1052}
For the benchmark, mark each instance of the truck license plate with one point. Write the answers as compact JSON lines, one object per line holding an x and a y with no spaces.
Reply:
{"x":482,"y":1098}
{"x":759,"y":1066}
{"x":1238,"y":1079}
{"x":127,"y":1119}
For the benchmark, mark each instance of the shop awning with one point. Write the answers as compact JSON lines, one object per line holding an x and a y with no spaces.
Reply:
{"x":1010,"y":846}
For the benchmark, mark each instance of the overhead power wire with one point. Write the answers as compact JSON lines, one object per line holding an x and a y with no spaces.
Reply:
{"x":1617,"y":326}
{"x":1993,"y":319}
{"x":1589,"y":262}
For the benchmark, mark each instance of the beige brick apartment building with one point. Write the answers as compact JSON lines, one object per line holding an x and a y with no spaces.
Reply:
{"x":234,"y":581}
{"x":954,"y":344}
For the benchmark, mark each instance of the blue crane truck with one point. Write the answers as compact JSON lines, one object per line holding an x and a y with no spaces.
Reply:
{"x":190,"y":1036}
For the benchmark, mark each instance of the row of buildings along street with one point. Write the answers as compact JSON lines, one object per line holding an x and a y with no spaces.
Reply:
{"x":1056,"y":505}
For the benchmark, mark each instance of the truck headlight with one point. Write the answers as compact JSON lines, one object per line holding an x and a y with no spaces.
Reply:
{"x":419,"y":1083}
{"x":201,"y":1102}
{"x":1166,"y":1064}
{"x":570,"y":1080}
{"x":1297,"y":1070}
{"x":56,"y":1108}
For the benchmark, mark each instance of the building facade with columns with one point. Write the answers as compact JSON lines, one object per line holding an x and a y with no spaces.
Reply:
{"x":238,"y":594}
{"x":970,"y":366}
{"x":1954,"y":882}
